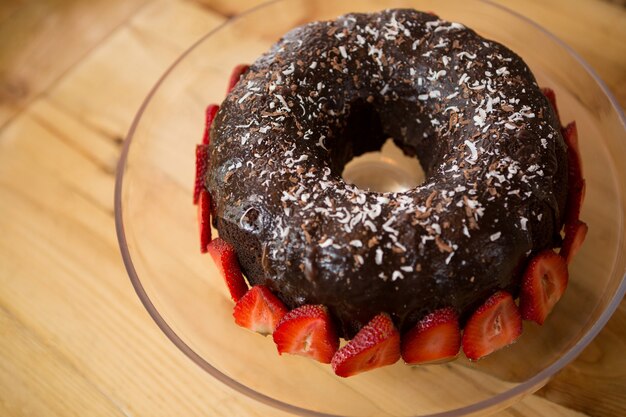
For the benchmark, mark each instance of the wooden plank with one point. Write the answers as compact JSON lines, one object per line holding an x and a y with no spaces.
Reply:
{"x":595,"y":383}
{"x":600,"y":41}
{"x":37,"y":380}
{"x":7,"y":8}
{"x":229,"y":8}
{"x":40,"y":40}
{"x":119,"y":75}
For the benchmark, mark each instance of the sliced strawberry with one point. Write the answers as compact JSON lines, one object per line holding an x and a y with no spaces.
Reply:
{"x":543,"y":284}
{"x":259,"y":310}
{"x":435,"y":338}
{"x":376,"y":344}
{"x":238,"y":71}
{"x":494,"y":325}
{"x":570,"y":135}
{"x":576,"y":183}
{"x":225,"y":258}
{"x":307,"y":331}
{"x":210,"y":113}
{"x":202,"y":162}
{"x":204,"y":219}
{"x":574,"y":237}
{"x":575,"y":197}
{"x":549,"y":93}
{"x":202,"y":152}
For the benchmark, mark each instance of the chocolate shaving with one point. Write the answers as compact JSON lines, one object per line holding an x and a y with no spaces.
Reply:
{"x":443,"y":246}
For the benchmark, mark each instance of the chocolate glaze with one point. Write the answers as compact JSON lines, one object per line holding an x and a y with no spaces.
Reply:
{"x":467,"y":107}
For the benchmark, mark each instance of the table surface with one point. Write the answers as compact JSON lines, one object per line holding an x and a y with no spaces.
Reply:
{"x":72,"y":75}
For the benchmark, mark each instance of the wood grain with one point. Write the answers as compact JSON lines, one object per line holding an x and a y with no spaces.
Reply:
{"x":129,"y":64}
{"x":25,"y":392}
{"x":74,"y":338}
{"x":595,"y":383}
{"x":40,"y":40}
{"x":600,"y":42}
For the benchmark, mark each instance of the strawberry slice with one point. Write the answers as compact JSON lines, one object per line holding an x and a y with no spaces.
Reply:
{"x":210,"y":113}
{"x":259,"y":310}
{"x":376,"y":344}
{"x":549,"y":93}
{"x":494,"y":325}
{"x":570,"y":135}
{"x":225,"y":258}
{"x":204,"y":219}
{"x":202,"y":152}
{"x":576,"y":183}
{"x":543,"y":284}
{"x":435,"y":338}
{"x":307,"y":331}
{"x":202,"y":162}
{"x":238,"y":71}
{"x":574,"y":237}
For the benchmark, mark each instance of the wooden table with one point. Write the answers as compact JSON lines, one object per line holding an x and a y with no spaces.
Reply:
{"x":72,"y":75}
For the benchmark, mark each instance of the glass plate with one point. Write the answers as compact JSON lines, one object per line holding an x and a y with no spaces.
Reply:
{"x":182,"y":291}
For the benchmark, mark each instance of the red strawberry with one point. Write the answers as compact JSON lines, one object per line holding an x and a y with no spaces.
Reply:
{"x":204,"y":219}
{"x":575,"y":197}
{"x":549,"y":93}
{"x":202,"y":155}
{"x":376,"y":344}
{"x":307,"y":331}
{"x":436,"y":337}
{"x":211,"y":111}
{"x":238,"y":71}
{"x":494,"y":325}
{"x":259,"y":310}
{"x":574,"y":236}
{"x":576,"y":183}
{"x":570,"y":135}
{"x":543,"y":284}
{"x":225,"y":258}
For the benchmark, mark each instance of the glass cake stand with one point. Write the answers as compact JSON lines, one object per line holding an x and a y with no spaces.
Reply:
{"x":184,"y":294}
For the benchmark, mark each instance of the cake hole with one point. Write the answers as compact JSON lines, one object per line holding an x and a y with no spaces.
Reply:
{"x":387,"y":170}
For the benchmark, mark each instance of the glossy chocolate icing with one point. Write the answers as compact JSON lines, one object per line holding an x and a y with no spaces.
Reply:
{"x":467,"y":107}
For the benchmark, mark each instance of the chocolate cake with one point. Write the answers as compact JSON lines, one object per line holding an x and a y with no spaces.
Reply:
{"x":468,"y":107}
